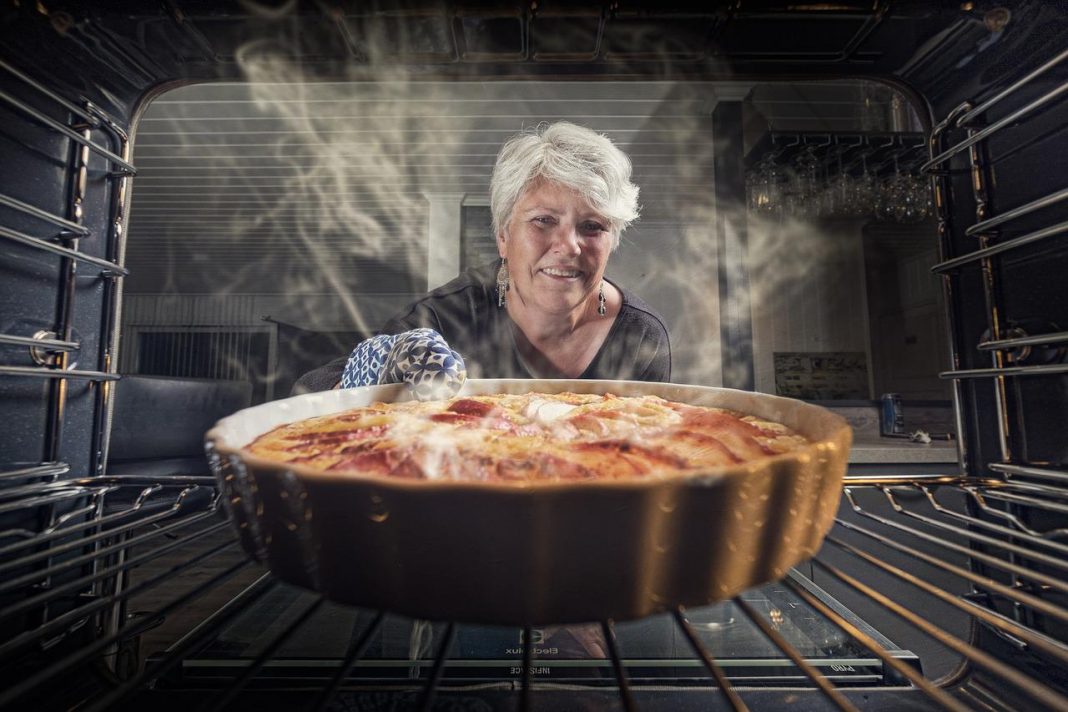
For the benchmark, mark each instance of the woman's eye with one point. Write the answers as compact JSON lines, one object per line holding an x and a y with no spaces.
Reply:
{"x":592,"y":228}
{"x":544,"y":220}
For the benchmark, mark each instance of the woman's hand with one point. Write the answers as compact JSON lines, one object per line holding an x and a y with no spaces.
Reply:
{"x":420,"y":358}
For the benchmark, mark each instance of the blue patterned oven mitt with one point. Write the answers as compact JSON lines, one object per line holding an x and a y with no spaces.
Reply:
{"x":420,"y":358}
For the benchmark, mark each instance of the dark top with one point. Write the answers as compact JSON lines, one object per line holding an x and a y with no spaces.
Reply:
{"x":465,"y":312}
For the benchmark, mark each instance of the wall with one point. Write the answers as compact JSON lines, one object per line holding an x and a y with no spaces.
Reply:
{"x":909,"y":332}
{"x":808,"y":291}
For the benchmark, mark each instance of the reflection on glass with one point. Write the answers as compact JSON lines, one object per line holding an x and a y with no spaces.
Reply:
{"x":654,"y":649}
{"x":764,"y":187}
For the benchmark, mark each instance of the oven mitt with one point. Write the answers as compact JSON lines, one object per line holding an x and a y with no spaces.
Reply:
{"x":420,"y":358}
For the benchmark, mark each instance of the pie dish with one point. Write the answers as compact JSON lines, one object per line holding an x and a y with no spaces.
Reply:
{"x":540,"y":551}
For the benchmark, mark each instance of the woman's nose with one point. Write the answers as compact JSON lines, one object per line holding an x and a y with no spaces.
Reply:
{"x":566,"y":240}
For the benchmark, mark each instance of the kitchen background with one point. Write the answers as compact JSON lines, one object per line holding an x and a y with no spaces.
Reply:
{"x":276,"y":223}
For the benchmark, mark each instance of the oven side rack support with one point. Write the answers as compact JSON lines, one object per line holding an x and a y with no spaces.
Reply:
{"x":1008,"y":457}
{"x":55,"y":350}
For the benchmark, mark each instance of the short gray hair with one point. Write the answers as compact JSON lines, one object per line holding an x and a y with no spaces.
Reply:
{"x":571,"y":155}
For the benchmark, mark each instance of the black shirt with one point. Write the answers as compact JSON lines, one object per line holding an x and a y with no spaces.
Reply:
{"x":465,"y":312}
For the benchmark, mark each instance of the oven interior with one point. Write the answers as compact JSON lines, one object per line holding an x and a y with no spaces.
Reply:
{"x":173,"y":175}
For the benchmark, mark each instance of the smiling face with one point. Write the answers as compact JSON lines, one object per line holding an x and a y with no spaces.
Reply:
{"x":557,"y":248}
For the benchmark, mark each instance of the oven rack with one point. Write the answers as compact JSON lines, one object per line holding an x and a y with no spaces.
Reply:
{"x":1001,"y":342}
{"x":91,"y":131}
{"x":179,"y":524}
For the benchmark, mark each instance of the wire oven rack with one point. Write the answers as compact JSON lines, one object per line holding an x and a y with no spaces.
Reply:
{"x":179,"y":522}
{"x":69,"y":575}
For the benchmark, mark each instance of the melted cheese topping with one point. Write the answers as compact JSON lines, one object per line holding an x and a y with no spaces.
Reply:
{"x":565,"y":436}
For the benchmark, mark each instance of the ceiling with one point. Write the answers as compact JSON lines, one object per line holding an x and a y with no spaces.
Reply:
{"x":116,"y":52}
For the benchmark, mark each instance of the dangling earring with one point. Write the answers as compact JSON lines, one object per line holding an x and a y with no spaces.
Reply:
{"x":502,"y":283}
{"x":601,"y":308}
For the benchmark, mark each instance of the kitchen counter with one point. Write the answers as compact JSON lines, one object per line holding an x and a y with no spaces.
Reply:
{"x":871,"y":447}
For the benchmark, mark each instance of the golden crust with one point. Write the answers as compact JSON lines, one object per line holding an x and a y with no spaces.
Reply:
{"x":534,"y":436}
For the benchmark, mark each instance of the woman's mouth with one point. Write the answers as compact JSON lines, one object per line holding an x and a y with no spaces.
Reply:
{"x":561,"y":273}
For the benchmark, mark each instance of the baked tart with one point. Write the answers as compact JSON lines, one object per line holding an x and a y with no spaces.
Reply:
{"x":528,"y":437}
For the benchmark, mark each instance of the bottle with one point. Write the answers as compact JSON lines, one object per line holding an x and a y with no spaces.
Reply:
{"x":891,"y":416}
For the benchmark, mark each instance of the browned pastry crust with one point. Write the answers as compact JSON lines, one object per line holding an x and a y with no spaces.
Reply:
{"x":529,"y":437}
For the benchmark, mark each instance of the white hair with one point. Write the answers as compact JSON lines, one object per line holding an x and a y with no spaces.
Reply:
{"x":570,"y":155}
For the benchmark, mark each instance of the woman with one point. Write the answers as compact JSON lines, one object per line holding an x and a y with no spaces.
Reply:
{"x":560,"y":198}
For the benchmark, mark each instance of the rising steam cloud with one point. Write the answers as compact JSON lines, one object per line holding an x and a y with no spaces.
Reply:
{"x":358,"y":179}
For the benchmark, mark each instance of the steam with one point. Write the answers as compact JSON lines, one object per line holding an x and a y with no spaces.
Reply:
{"x":792,"y":262}
{"x":357,"y":179}
{"x":784,"y":260}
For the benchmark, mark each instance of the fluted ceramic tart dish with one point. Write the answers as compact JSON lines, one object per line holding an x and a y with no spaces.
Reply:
{"x":531,"y":550}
